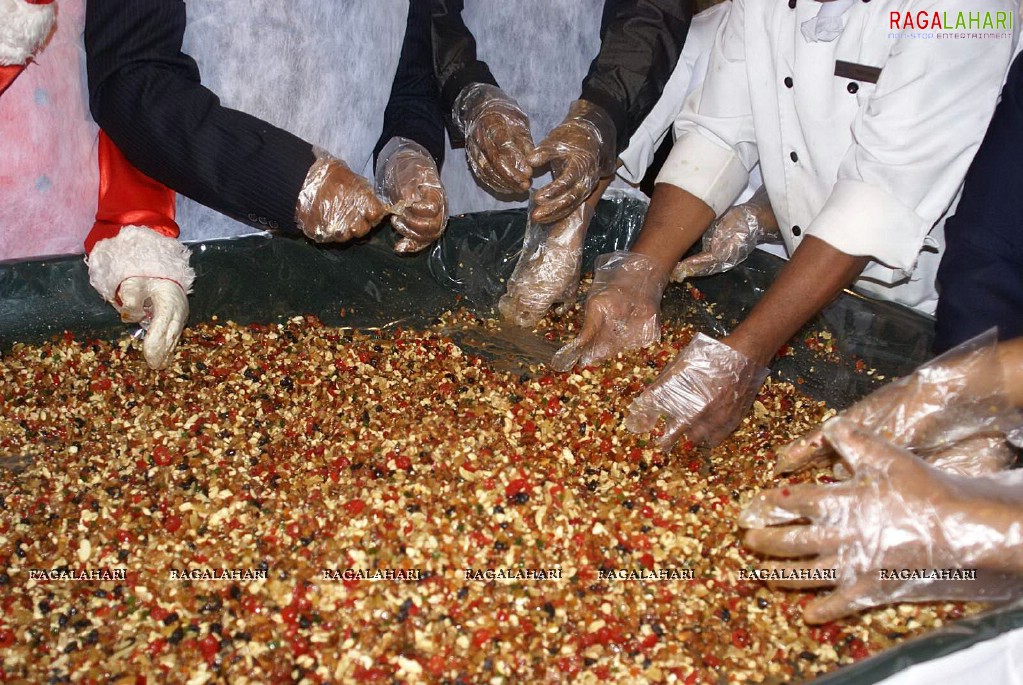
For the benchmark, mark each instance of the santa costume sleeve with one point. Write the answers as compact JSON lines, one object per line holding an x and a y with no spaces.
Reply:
{"x":135,"y":233}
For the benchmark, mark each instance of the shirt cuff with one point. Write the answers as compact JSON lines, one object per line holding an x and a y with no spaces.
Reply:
{"x":864,"y":220}
{"x":710,"y":171}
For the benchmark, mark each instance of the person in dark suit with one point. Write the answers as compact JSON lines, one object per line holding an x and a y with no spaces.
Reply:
{"x":980,"y":278}
{"x":641,"y":41}
{"x":147,"y":96}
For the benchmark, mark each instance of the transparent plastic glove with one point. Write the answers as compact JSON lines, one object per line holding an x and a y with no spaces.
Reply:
{"x":623,"y":311}
{"x":497,"y":138}
{"x":704,"y":392}
{"x":407,"y":177}
{"x":146,"y":276}
{"x":580,"y":151}
{"x":548,"y":269}
{"x":732,"y":238}
{"x":956,"y":396}
{"x":896,"y":513}
{"x":161,"y":308}
{"x":336,"y":204}
{"x":982,"y":455}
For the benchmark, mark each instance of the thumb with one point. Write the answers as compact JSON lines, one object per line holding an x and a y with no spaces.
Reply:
{"x":859,"y":447}
{"x":801,"y":452}
{"x":170,"y":311}
{"x":542,"y":154}
{"x":373,"y":210}
{"x":133,"y":300}
{"x":843,"y":601}
{"x":701,"y":264}
{"x":409,"y":246}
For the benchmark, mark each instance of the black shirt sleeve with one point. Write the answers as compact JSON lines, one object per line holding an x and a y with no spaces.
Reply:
{"x":147,"y":95}
{"x":454,"y":58}
{"x":641,"y":41}
{"x":414,"y":110}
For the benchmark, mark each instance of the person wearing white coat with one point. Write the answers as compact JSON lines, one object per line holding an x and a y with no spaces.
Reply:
{"x":863,"y":132}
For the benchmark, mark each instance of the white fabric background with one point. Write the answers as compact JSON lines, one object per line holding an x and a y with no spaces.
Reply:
{"x":539,"y":51}
{"x":321,"y":70}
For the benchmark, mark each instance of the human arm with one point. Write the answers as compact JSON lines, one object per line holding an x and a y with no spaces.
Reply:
{"x":409,"y":179}
{"x":972,"y":391}
{"x":147,"y":95}
{"x":732,"y":238}
{"x":641,"y":41}
{"x":548,"y":269}
{"x":414,"y":110}
{"x":623,"y":305}
{"x":896,"y":513}
{"x":814,"y":276}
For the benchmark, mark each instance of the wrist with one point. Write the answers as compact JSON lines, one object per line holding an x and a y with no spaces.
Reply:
{"x":750,"y":345}
{"x":989,"y":534}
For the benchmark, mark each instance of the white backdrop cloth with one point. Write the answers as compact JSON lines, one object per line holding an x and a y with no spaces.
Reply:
{"x":320,"y":70}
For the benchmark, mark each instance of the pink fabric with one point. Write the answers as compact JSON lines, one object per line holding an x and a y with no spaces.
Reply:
{"x":48,"y":170}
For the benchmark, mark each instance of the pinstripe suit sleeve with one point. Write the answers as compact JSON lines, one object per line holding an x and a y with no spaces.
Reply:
{"x":147,"y":95}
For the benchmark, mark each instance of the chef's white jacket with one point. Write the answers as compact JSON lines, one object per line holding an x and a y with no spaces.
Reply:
{"x":863,"y":141}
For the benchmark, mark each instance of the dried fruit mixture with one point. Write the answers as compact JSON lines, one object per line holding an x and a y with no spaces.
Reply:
{"x":298,"y":503}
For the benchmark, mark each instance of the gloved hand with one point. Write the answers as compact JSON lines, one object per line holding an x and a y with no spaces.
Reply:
{"x":497,"y":138}
{"x":958,"y":396}
{"x":146,"y":276}
{"x":548,"y":269}
{"x":623,"y":311}
{"x":897,"y":513}
{"x":580,"y":151}
{"x":407,"y":176}
{"x":732,"y":238}
{"x":704,"y":392}
{"x":336,"y":204}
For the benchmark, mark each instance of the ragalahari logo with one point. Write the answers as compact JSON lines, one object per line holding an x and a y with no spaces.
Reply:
{"x":951,"y":21}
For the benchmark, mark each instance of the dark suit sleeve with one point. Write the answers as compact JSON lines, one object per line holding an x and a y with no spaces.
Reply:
{"x":454,"y":58}
{"x":414,"y":110}
{"x":147,"y":95}
{"x":641,"y":41}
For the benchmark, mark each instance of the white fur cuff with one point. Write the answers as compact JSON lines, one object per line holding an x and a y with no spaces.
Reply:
{"x":137,"y":251}
{"x":23,"y":28}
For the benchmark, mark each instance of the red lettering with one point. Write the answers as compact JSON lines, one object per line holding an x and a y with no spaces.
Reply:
{"x":921,"y":20}
{"x":908,"y":22}
{"x":893,"y":20}
{"x":936,"y":21}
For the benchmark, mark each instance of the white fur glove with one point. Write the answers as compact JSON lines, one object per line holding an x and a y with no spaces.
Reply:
{"x":146,"y":276}
{"x":23,"y":28}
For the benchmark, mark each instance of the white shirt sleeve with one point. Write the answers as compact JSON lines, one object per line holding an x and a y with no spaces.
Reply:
{"x":688,"y":75}
{"x":715,"y":144}
{"x":913,"y":141}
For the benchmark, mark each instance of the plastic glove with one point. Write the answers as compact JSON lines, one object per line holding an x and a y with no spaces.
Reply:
{"x":497,"y":138}
{"x":623,"y":311}
{"x":957,"y":396}
{"x":704,"y":392}
{"x":580,"y":151}
{"x":897,"y":513}
{"x":407,"y":176}
{"x":146,"y":276}
{"x":548,"y":269}
{"x":336,"y":204}
{"x":732,"y":238}
{"x":160,"y":307}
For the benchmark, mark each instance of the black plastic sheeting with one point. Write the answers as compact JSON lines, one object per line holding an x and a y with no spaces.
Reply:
{"x":263,"y":279}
